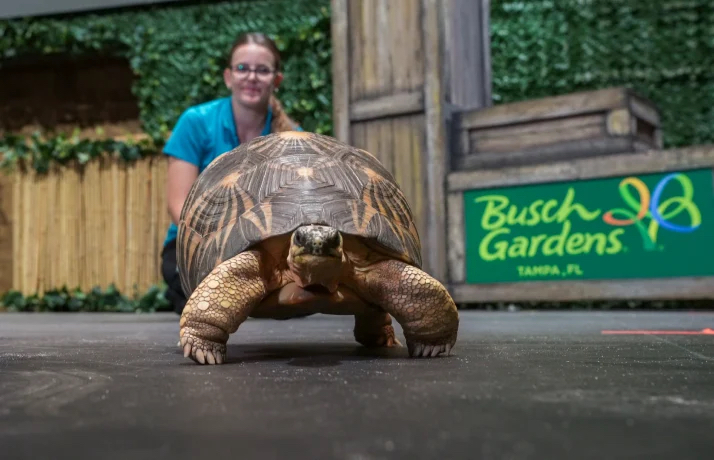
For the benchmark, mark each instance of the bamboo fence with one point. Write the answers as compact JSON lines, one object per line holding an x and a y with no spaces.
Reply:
{"x":100,"y":226}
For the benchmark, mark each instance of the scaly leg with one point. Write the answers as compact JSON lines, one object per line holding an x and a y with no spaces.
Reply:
{"x":374,"y":329}
{"x":421,"y":305}
{"x":218,"y":305}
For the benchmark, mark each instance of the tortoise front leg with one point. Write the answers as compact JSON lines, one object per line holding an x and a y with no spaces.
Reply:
{"x":373,"y":328}
{"x":421,"y":305}
{"x":218,"y":305}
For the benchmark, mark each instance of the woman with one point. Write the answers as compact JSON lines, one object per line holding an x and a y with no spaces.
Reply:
{"x":205,"y":131}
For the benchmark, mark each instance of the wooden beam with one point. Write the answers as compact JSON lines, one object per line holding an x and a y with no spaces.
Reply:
{"x":340,"y":70}
{"x":582,"y":102}
{"x":652,"y":161}
{"x":573,"y":291}
{"x":573,"y":150}
{"x":457,"y":238}
{"x":434,"y":242}
{"x":6,"y":231}
{"x":645,"y":110}
{"x":467,"y":53}
{"x":391,"y":105}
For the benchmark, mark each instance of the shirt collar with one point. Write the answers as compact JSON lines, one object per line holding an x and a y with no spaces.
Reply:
{"x":268,"y":121}
{"x":229,"y":121}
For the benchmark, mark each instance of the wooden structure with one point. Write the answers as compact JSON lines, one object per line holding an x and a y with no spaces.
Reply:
{"x":395,"y":87}
{"x":625,"y":165}
{"x":582,"y":124}
{"x":6,"y":239}
{"x":84,"y":229}
{"x":78,"y":227}
{"x":418,"y":97}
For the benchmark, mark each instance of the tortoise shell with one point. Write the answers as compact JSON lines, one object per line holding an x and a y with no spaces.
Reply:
{"x":276,"y":183}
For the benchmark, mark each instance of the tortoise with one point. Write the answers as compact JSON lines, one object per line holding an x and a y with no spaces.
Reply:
{"x":296,"y":223}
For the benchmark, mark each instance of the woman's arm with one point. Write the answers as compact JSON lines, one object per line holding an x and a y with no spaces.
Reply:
{"x":185,"y":151}
{"x":181,"y":176}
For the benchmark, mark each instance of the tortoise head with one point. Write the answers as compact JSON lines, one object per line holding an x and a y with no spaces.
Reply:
{"x":315,"y":256}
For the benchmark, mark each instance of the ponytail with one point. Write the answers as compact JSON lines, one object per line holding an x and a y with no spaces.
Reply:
{"x":281,"y":120}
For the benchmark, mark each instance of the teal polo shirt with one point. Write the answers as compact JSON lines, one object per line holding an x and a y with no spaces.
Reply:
{"x":202,"y":133}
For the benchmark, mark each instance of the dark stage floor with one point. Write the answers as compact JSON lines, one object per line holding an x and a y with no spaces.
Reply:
{"x":518,"y":386}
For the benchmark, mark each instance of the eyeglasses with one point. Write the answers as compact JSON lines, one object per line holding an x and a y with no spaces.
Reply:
{"x":261,"y":71}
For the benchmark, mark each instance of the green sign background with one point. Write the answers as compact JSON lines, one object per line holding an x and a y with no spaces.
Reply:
{"x":640,"y":226}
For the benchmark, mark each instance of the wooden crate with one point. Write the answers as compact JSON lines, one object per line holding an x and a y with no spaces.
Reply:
{"x":577,"y":125}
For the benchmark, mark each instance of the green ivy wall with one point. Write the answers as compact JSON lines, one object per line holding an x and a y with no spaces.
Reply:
{"x":664,"y":49}
{"x":178,"y":54}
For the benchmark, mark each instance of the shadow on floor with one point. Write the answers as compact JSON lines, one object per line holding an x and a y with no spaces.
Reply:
{"x":308,"y":355}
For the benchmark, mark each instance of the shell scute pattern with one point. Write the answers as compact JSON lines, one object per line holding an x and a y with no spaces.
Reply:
{"x":275,"y":183}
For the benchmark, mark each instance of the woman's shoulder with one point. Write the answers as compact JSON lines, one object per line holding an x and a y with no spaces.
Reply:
{"x":208,"y":108}
{"x":201,"y":119}
{"x":193,"y":132}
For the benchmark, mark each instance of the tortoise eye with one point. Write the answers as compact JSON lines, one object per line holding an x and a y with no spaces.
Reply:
{"x":299,"y":238}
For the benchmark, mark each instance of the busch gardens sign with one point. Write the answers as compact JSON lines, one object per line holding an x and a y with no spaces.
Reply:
{"x":656,"y":225}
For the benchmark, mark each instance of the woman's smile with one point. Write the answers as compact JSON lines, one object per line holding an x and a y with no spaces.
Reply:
{"x":251,"y":90}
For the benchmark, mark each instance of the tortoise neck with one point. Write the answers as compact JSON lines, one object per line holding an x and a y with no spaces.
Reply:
{"x":310,"y":271}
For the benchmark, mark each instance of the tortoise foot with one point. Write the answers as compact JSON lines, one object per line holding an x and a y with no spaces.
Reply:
{"x":374,"y":329}
{"x":203,"y":351}
{"x":430,"y":348}
{"x":375,"y":339}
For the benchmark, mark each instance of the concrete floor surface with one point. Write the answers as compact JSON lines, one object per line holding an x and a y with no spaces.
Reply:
{"x":524,"y":385}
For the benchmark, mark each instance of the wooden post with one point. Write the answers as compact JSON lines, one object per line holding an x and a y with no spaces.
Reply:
{"x":467,"y":53}
{"x":399,"y":68}
{"x":436,"y":155}
{"x":340,"y":73}
{"x":6,"y":263}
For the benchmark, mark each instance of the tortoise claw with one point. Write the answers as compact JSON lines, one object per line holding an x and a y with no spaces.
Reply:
{"x":427,"y":350}
{"x":203,"y":351}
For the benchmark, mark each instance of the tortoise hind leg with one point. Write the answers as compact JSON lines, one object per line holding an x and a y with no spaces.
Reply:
{"x":218,"y":305}
{"x":373,"y":328}
{"x":421,"y":305}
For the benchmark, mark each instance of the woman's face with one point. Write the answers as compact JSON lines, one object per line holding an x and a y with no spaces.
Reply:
{"x":252,"y":76}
